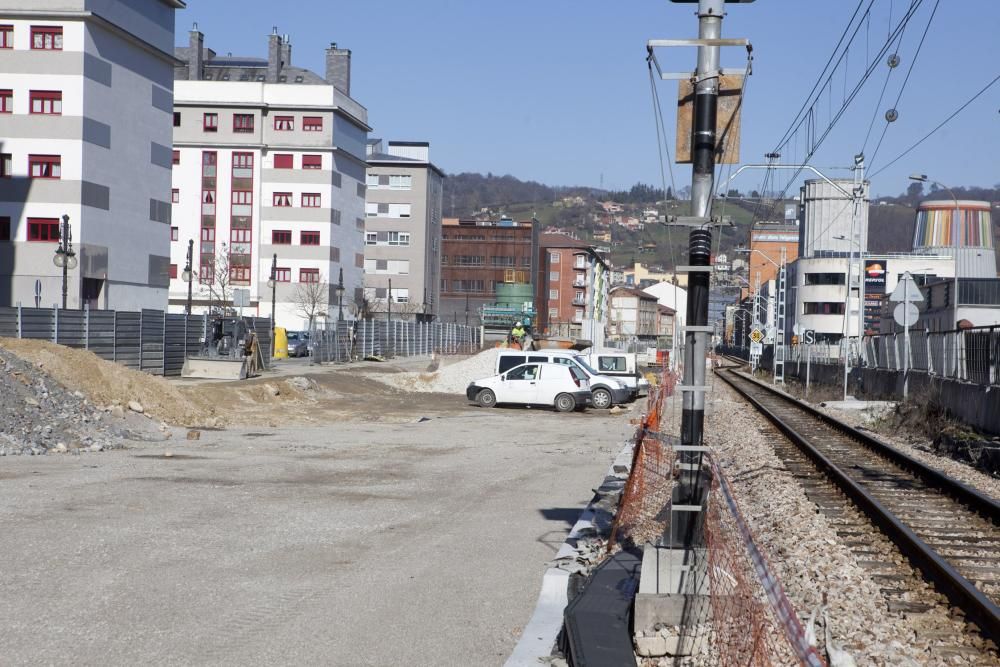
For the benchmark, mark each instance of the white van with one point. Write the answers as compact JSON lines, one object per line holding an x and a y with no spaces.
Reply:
{"x":559,"y":385}
{"x":605,"y":391}
{"x":619,"y":365}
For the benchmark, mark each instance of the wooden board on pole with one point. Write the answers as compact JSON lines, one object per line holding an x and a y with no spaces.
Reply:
{"x":728,"y":123}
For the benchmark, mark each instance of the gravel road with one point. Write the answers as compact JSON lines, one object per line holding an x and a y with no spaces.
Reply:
{"x":357,"y":543}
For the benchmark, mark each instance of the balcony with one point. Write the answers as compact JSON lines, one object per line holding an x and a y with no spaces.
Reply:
{"x":579,"y":301}
{"x":580,"y":282}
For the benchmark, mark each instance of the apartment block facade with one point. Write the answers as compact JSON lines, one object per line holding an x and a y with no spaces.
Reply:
{"x":634,"y":314}
{"x":403,"y":230}
{"x":571,"y":288}
{"x":86,"y":91}
{"x":269,"y":160}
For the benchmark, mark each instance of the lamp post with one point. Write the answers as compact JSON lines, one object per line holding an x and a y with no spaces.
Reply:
{"x":923,"y":178}
{"x":272,"y":282}
{"x":65,"y":258}
{"x":187,"y":275}
{"x":340,"y":296}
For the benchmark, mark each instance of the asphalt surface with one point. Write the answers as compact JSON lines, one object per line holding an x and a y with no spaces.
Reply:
{"x":359,"y":543}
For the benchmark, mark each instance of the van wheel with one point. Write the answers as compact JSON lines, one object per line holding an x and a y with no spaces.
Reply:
{"x":486,"y":398}
{"x":565,"y":403}
{"x":601,"y":398}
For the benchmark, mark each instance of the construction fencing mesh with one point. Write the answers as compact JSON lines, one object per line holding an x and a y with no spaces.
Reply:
{"x":747,"y":619}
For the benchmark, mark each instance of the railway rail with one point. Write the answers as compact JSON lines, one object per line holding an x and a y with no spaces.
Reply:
{"x":947,"y":530}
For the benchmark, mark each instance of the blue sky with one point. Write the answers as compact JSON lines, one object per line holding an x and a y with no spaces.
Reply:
{"x":558,"y":91}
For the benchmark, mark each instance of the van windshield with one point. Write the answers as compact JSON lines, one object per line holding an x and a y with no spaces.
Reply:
{"x":583,"y":362}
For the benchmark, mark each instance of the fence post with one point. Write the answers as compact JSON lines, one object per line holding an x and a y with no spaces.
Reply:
{"x":55,"y":329}
{"x":86,"y":326}
{"x":140,"y":339}
{"x":927,"y":346}
{"x":163,"y":361}
{"x":114,"y":336}
{"x":19,"y":324}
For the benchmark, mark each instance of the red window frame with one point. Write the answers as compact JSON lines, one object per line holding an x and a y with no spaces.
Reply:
{"x":312,"y":123}
{"x":175,"y":234}
{"x":242,"y":122}
{"x":5,"y":228}
{"x":240,"y":235}
{"x":208,"y":234}
{"x":177,"y":157}
{"x":6,"y":100}
{"x":6,"y":165}
{"x":242,"y":197}
{"x":282,"y":199}
{"x":311,"y":200}
{"x":312,"y":161}
{"x":44,"y":102}
{"x":282,"y":275}
{"x":47,"y":166}
{"x":46,"y":38}
{"x":308,"y":275}
{"x":281,"y":237}
{"x":239,"y":274}
{"x":175,"y":197}
{"x":6,"y":37}
{"x":206,"y":272}
{"x":242,"y":161}
{"x":308,"y":238}
{"x":173,"y":272}
{"x":43,"y":230}
{"x":210,"y":122}
{"x":284,"y":123}
{"x":284,"y":161}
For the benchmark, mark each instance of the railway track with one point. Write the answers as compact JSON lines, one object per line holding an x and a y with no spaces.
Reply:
{"x":946,"y":529}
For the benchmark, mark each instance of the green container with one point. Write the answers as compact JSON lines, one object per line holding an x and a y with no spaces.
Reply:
{"x":514,"y":294}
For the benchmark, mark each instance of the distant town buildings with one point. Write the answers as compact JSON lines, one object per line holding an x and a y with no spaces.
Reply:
{"x":572,"y":287}
{"x":634,"y":316}
{"x":86,"y":102}
{"x":403,"y":230}
{"x":269,"y":161}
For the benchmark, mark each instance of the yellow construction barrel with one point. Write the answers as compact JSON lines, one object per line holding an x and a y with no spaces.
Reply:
{"x":280,"y":343}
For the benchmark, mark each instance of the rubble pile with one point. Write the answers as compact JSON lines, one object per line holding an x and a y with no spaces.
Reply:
{"x":39,"y":415}
{"x":450,"y":378}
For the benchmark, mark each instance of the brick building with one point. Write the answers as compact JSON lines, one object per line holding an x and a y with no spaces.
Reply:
{"x":478,"y":255}
{"x":571,"y":289}
{"x":766,"y":241}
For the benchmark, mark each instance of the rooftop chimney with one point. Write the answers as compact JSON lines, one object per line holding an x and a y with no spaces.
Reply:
{"x":286,"y":52}
{"x":274,"y":56}
{"x":196,"y":59}
{"x":338,"y":68}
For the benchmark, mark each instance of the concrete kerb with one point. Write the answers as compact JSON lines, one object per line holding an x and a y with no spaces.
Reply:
{"x":539,"y":636}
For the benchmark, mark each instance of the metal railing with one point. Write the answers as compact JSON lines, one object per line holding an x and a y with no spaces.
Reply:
{"x":359,"y":339}
{"x":971,"y":355}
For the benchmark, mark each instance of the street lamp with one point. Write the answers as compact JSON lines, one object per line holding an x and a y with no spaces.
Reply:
{"x":65,"y":258}
{"x":272,"y":282}
{"x":340,"y":295}
{"x":187,"y":275}
{"x":922,"y":178}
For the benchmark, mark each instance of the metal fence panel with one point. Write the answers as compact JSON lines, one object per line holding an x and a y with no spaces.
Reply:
{"x":101,"y":333}
{"x":72,"y":328}
{"x":38,"y":323}
{"x":128,"y":351}
{"x":8,"y":322}
{"x":971,"y":355}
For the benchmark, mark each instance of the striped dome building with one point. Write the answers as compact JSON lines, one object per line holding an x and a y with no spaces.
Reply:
{"x":964,"y":231}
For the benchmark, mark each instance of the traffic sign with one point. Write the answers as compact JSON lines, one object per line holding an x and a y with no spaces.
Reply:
{"x":756,"y":349}
{"x":906,"y":290}
{"x":906,"y":314}
{"x":756,"y":336}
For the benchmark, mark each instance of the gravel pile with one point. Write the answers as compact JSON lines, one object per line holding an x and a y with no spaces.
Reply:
{"x":450,"y":378}
{"x":807,"y":554}
{"x":39,"y":415}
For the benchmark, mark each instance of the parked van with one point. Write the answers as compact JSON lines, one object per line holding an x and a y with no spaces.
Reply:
{"x":559,"y":385}
{"x":619,"y":365}
{"x":605,"y":391}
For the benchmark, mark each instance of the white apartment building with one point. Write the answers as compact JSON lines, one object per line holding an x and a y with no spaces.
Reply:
{"x":403,"y":230}
{"x":86,"y":92}
{"x":269,"y":160}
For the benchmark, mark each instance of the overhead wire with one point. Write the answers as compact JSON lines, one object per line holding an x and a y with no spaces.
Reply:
{"x":661,"y":146}
{"x":885,"y":85}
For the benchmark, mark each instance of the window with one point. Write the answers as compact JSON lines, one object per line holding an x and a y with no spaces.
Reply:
{"x":6,"y":37}
{"x":282,"y":199}
{"x":399,"y":238}
{"x":308,"y":275}
{"x":578,"y":315}
{"x":825,"y":278}
{"x":359,"y":260}
{"x":173,"y":271}
{"x":206,"y":272}
{"x":239,"y":236}
{"x":239,"y":274}
{"x":554,"y":275}
{"x":284,"y":123}
{"x":310,"y":200}
{"x":6,"y":165}
{"x":399,"y":210}
{"x":554,"y":257}
{"x":611,"y":364}
{"x":283,"y":161}
{"x":175,"y":197}
{"x":242,"y":165}
{"x":553,"y":313}
{"x":553,"y":294}
{"x":211,"y":122}
{"x":281,"y":237}
{"x":242,"y":122}
{"x":174,"y":234}
{"x":372,"y":180}
{"x":208,"y":234}
{"x":6,"y":101}
{"x":177,"y":119}
{"x":309,"y":238}
{"x":823,"y":308}
{"x":312,"y":161}
{"x":45,"y":166}
{"x":525,"y":372}
{"x":312,"y":124}
{"x":5,"y":228}
{"x":282,"y":275}
{"x":47,"y":38}
{"x":43,"y":229}
{"x":371,"y":238}
{"x":177,"y":157}
{"x":241,"y":204}
{"x":400,"y":182}
{"x":45,"y":102}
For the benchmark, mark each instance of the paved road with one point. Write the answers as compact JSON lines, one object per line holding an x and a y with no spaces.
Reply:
{"x":352,"y":544}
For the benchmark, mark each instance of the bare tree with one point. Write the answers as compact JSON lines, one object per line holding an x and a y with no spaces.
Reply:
{"x":311,"y":299}
{"x":402,"y":309}
{"x":216,"y":282}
